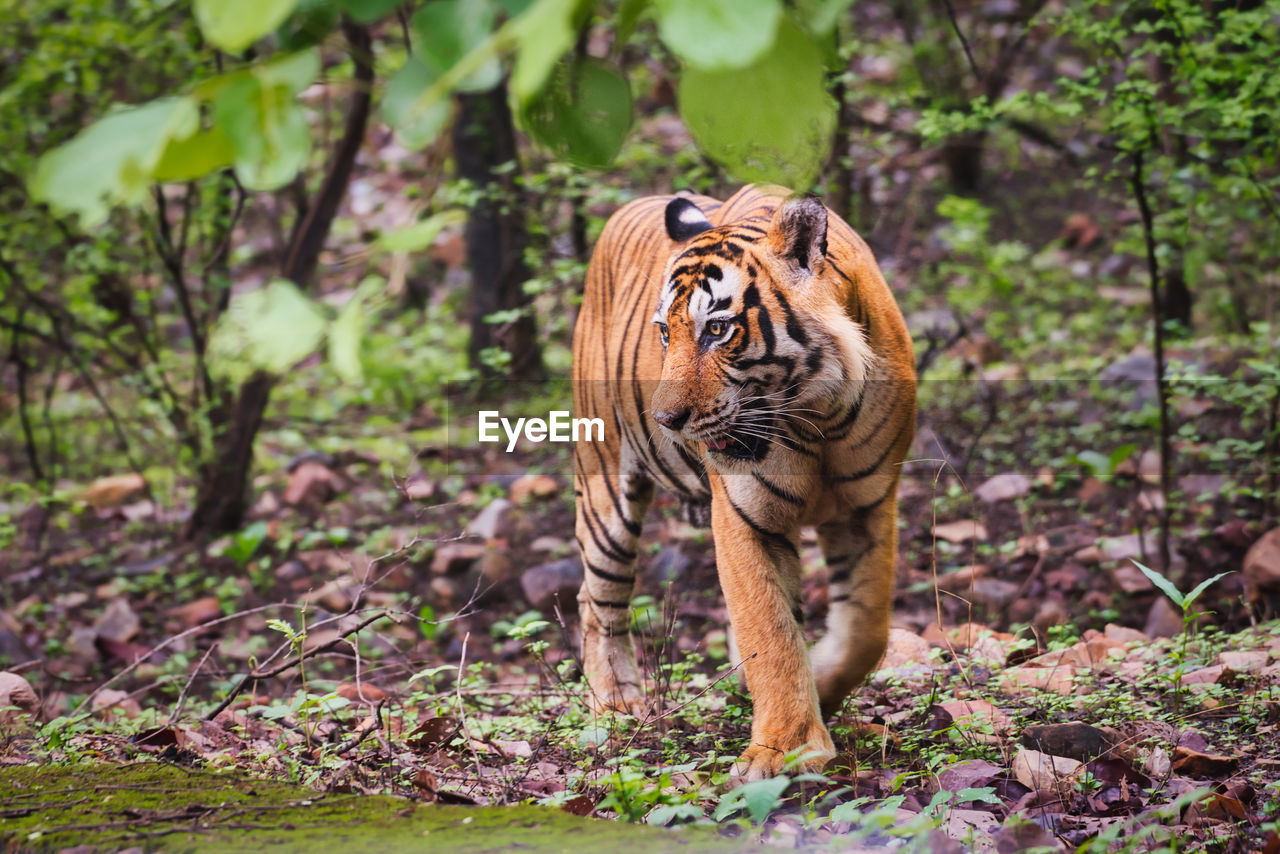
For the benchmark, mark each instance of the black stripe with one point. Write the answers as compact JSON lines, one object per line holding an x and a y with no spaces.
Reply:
{"x":600,"y":603}
{"x":869,"y":470}
{"x":608,"y":576}
{"x":777,"y":490}
{"x":772,"y":536}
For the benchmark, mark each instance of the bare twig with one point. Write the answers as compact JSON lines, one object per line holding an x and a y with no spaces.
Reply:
{"x":182,"y":696}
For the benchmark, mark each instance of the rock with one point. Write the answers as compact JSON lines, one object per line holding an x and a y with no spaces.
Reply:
{"x":532,"y":486}
{"x":109,"y":702}
{"x":960,"y":532}
{"x":17,"y":691}
{"x":1149,"y":467}
{"x":977,"y":713}
{"x":418,"y":488}
{"x":1022,"y":680}
{"x":1037,"y":770}
{"x":362,"y":692}
{"x":1245,"y":661}
{"x":1205,"y":675}
{"x":118,"y":622}
{"x":548,"y":544}
{"x":114,"y":491}
{"x":291,"y":570}
{"x":1136,"y":371}
{"x":1262,"y":562}
{"x":491,"y":521}
{"x":1075,"y":740}
{"x":455,"y":558}
{"x":495,"y":566}
{"x":1124,"y":634}
{"x":311,"y":483}
{"x":194,"y":613}
{"x":669,"y":563}
{"x":553,"y":583}
{"x":1157,"y":764}
{"x":993,"y":592}
{"x":1163,"y":620}
{"x":1117,"y":548}
{"x":905,"y":649}
{"x":1003,"y":487}
{"x":1130,"y":579}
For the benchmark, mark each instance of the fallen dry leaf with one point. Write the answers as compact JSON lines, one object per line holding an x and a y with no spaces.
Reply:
{"x":1037,"y":770}
{"x":960,"y":532}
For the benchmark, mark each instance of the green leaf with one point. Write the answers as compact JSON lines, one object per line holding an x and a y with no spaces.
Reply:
{"x":447,"y":30}
{"x":760,"y":797}
{"x":544,"y":32}
{"x":770,"y":121}
{"x":1098,"y":464}
{"x":346,"y":335}
{"x":419,"y":236}
{"x":821,"y":16}
{"x":1165,"y":585}
{"x":194,"y":156}
{"x":368,"y":11}
{"x":718,"y":34}
{"x":416,"y":121}
{"x":628,"y":15}
{"x":310,"y":23}
{"x":233,"y":25}
{"x":270,"y":329}
{"x":113,"y":160}
{"x":583,"y":114}
{"x":1203,"y":586}
{"x":257,"y":108}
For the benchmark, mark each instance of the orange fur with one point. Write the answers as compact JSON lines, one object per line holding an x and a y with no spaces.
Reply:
{"x":799,"y":414}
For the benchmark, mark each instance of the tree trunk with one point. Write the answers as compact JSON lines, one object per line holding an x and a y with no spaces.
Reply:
{"x":223,"y":495}
{"x":484,"y":139}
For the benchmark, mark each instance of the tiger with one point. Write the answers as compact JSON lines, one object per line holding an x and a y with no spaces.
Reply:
{"x":749,"y":357}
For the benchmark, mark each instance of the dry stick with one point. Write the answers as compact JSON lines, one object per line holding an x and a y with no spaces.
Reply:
{"x":259,"y":674}
{"x":462,"y":715}
{"x":1138,"y":183}
{"x":173,"y":716}
{"x":964,"y":43}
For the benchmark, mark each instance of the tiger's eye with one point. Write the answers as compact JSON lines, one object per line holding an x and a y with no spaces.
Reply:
{"x":716,"y":327}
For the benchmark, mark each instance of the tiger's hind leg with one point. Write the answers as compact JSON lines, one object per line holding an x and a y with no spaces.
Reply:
{"x":860,"y":552}
{"x":610,"y":514}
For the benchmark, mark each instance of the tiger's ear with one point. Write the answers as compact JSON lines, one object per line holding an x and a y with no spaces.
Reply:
{"x":684,"y":220}
{"x":798,"y":232}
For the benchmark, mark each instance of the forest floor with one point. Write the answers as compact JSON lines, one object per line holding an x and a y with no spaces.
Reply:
{"x":397,"y":617}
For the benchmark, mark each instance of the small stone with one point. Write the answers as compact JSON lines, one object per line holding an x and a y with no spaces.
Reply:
{"x":1205,"y":675}
{"x":109,"y":702}
{"x":1244,"y":661}
{"x":495,"y":566}
{"x":1003,"y":487}
{"x":311,"y":483}
{"x":904,"y":649}
{"x":533,"y":486}
{"x":1130,"y":579}
{"x":1163,"y":620}
{"x":1037,"y":770}
{"x":553,"y":583}
{"x":1024,"y":680}
{"x":1124,"y":634}
{"x":960,"y":532}
{"x":17,"y":691}
{"x":418,"y":488}
{"x":291,"y":570}
{"x":118,"y":622}
{"x":1262,"y":562}
{"x":1075,"y":740}
{"x":490,"y":521}
{"x":455,"y":558}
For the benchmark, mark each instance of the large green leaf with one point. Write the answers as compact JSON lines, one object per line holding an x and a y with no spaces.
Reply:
{"x":447,"y":30}
{"x":416,"y":119}
{"x":583,"y":113}
{"x":269,"y":329}
{"x":346,"y":335}
{"x":113,"y":160}
{"x":543,"y":33}
{"x":233,"y":25}
{"x":419,"y":236}
{"x":718,"y":34}
{"x":194,"y":156}
{"x":770,"y":121}
{"x":257,"y":108}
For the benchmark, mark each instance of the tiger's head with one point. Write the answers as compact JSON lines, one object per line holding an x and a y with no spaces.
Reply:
{"x":758,"y":345}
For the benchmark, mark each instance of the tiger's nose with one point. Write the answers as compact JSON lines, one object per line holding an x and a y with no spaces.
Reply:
{"x":671,"y":420}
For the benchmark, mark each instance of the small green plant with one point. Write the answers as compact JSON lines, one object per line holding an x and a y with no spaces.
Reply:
{"x":1184,"y":601}
{"x":245,"y":543}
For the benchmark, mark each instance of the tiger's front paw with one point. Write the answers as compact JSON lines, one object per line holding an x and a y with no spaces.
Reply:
{"x":616,"y":685}
{"x":760,"y":761}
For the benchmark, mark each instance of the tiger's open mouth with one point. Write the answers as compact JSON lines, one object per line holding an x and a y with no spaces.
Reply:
{"x":736,"y":446}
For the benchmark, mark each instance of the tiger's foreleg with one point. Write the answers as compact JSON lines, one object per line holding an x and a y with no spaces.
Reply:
{"x":859,"y":551}
{"x":760,"y":575}
{"x":609,"y":519}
